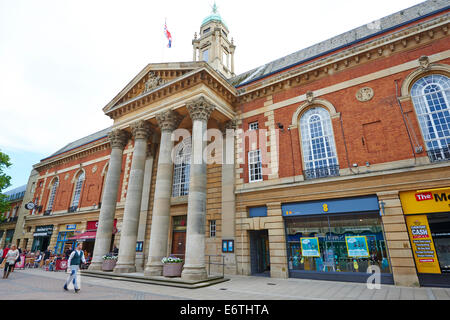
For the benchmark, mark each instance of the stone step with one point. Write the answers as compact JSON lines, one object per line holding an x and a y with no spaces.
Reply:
{"x":159,"y":280}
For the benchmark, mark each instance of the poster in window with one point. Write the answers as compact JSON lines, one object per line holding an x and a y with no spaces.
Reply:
{"x":357,"y":246}
{"x":310,"y":247}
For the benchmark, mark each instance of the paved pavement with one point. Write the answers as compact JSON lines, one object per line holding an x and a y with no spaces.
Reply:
{"x":37,"y":284}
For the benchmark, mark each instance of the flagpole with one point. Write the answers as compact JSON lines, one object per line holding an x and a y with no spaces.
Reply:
{"x":163,"y":48}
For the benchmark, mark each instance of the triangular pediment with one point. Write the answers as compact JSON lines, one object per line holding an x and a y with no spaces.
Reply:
{"x":153,"y":76}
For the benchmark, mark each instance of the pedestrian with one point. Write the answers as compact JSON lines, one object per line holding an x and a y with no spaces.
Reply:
{"x":67,"y":252}
{"x":11,"y":258}
{"x":5,"y":252}
{"x":17,"y":260}
{"x":74,"y":263}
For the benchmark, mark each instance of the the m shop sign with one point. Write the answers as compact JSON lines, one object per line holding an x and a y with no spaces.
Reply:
{"x":427,"y":215}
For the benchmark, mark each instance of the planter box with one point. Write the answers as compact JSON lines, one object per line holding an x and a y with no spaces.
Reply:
{"x":172,"y":269}
{"x":108,"y":265}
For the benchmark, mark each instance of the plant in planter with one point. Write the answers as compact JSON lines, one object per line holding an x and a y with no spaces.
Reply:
{"x":172,"y":266}
{"x":109,"y":262}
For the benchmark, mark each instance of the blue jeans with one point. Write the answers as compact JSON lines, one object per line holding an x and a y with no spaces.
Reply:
{"x":73,"y":276}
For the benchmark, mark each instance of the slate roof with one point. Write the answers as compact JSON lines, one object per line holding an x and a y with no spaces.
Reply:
{"x":16,"y":193}
{"x":359,"y":34}
{"x":80,"y":142}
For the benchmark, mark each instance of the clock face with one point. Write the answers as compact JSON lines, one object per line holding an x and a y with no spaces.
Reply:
{"x":29,"y":206}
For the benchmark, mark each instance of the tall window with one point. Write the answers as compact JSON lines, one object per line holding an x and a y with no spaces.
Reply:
{"x":182,"y":166}
{"x":206,"y":55}
{"x":77,"y":191}
{"x":212,"y":228}
{"x":255,"y":166}
{"x":51,"y":198}
{"x":319,"y":150}
{"x":431,"y":96}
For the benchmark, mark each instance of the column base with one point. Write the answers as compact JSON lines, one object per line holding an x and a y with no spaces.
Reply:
{"x":153,"y":270}
{"x":124,"y":268}
{"x":95,"y":266}
{"x":194,"y":273}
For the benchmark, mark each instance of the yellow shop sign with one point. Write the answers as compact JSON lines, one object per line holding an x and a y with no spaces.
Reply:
{"x":425,"y":201}
{"x":422,"y":244}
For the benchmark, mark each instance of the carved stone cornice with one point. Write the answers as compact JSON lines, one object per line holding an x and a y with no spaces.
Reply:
{"x":168,"y":120}
{"x":118,"y":139}
{"x":141,"y":129}
{"x":200,"y":109}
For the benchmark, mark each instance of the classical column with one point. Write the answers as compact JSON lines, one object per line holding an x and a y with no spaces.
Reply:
{"x":159,"y":234}
{"x":228,"y":196}
{"x":118,"y":140}
{"x":145,"y":205}
{"x":127,"y":248}
{"x":195,"y":268}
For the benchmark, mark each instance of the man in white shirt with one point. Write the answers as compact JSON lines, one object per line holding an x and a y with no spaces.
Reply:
{"x":74,"y":262}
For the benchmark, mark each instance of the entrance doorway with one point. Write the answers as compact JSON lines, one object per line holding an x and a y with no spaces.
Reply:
{"x":259,"y":253}
{"x":179,"y":236}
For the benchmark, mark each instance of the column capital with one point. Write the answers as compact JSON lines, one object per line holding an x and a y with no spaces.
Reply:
{"x":141,"y":129}
{"x":229,"y":125}
{"x":168,"y":120}
{"x":200,"y":109}
{"x":118,"y":139}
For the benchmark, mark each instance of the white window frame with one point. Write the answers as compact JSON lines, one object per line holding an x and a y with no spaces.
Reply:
{"x":253,"y":126}
{"x":181,"y":168}
{"x":212,"y":228}
{"x":77,"y":190}
{"x":434,"y":125}
{"x":254,"y":166}
{"x":52,"y":196}
{"x":310,"y":155}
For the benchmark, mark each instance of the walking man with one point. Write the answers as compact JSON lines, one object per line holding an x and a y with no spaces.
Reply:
{"x":75,"y":259}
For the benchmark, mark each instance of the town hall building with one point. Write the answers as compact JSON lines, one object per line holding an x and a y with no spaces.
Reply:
{"x":323,"y":164}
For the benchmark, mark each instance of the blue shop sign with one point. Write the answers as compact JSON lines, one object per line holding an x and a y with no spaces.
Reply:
{"x":71,"y":227}
{"x":345,"y":205}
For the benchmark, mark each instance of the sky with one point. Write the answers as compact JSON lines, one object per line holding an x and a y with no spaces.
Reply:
{"x":62,"y":61}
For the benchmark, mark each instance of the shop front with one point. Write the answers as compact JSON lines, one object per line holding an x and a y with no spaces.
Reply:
{"x":65,"y":233}
{"x":336,"y":239}
{"x":88,"y":237}
{"x":427,"y":215}
{"x":41,"y":238}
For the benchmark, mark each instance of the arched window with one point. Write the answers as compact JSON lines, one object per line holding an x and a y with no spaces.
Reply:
{"x":77,"y":191}
{"x":182,"y":166}
{"x":51,"y":198}
{"x":319,"y":150}
{"x":431,"y":96}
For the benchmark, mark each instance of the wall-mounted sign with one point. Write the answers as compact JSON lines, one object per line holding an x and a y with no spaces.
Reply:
{"x":357,"y":246}
{"x":422,"y":244}
{"x":43,"y":231}
{"x":139,"y":246}
{"x":93,"y":225}
{"x":425,"y":201}
{"x":227,"y":246}
{"x":71,"y":227}
{"x":310,"y":247}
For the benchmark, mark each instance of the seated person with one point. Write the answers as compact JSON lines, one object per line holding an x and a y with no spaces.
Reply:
{"x":38,"y":260}
{"x":51,"y":265}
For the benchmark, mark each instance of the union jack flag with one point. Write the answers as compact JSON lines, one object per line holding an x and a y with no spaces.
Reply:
{"x":168,"y":36}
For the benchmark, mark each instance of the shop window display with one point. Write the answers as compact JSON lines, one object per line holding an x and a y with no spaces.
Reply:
{"x":440,"y":231}
{"x":336,"y":243}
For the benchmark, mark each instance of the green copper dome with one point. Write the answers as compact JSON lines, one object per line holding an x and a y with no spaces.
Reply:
{"x":214,"y":16}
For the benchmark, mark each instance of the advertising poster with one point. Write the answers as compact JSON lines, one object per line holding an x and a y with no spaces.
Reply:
{"x":310,"y":247}
{"x":422,"y":244}
{"x":357,"y":246}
